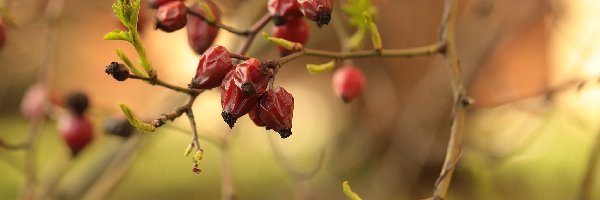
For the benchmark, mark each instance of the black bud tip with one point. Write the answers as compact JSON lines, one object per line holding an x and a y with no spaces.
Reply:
{"x":278,"y":20}
{"x":228,"y":118}
{"x":77,"y":102}
{"x":346,"y":99}
{"x":323,"y":18}
{"x":284,"y":133}
{"x":118,"y":71}
{"x":193,"y":84}
{"x":248,"y":88}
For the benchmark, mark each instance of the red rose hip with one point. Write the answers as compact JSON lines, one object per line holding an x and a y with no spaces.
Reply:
{"x":171,"y":16}
{"x":348,"y":82}
{"x":241,"y":90}
{"x":317,"y":10}
{"x":157,"y":3}
{"x":201,"y":35}
{"x":281,"y":10}
{"x":276,"y":111}
{"x":77,"y":132}
{"x":212,"y":68}
{"x":2,"y":33}
{"x":254,"y":115}
{"x":32,"y":104}
{"x":295,"y":30}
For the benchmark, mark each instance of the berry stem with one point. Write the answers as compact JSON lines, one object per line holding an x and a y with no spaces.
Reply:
{"x":218,"y":24}
{"x":454,"y":148}
{"x":162,"y":120}
{"x":405,"y":53}
{"x":155,"y":81}
{"x":190,"y":115}
{"x":254,"y":29}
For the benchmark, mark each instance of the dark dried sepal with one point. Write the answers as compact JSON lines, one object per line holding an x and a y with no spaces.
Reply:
{"x":323,"y":18}
{"x":229,"y":119}
{"x":118,"y":71}
{"x":285,"y":133}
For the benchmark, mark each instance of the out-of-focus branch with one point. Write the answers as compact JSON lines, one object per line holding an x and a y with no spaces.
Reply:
{"x":589,"y":178}
{"x":290,"y":168}
{"x":460,"y":101}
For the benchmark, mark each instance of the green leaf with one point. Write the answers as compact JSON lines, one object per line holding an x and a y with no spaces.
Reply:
{"x":188,"y":149}
{"x":355,"y":41}
{"x":128,"y":63}
{"x":348,"y":191}
{"x":375,"y":36}
{"x":117,"y":35}
{"x":289,"y":45}
{"x":318,"y":68}
{"x":134,"y":121}
{"x":355,"y":10}
{"x":127,"y":12}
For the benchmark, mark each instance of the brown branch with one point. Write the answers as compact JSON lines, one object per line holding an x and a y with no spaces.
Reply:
{"x":227,"y":189}
{"x":254,"y":29}
{"x":220,"y":25}
{"x":290,"y":168}
{"x":155,"y":81}
{"x":18,"y":146}
{"x":453,"y":152}
{"x":162,"y":120}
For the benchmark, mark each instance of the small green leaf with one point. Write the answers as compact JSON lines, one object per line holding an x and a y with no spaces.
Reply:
{"x":128,"y":63}
{"x":134,"y":121}
{"x":188,"y":149}
{"x":355,"y":41}
{"x":127,"y":12}
{"x":348,"y":191}
{"x":318,"y":68}
{"x":289,"y":45}
{"x":117,"y":35}
{"x":375,"y":36}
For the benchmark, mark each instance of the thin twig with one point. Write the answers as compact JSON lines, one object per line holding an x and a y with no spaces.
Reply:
{"x":162,"y":120}
{"x":190,"y":115}
{"x":227,"y":189}
{"x":398,"y":53}
{"x":289,"y":167}
{"x":220,"y":25}
{"x":448,"y":26}
{"x":155,"y":81}
{"x":254,"y":29}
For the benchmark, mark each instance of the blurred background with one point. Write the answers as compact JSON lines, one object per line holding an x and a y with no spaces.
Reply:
{"x":529,"y":134}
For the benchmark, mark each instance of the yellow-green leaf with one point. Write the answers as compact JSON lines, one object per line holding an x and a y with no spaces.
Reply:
{"x":134,"y":121}
{"x":355,"y":41}
{"x":117,"y":35}
{"x":375,"y":36}
{"x":349,"y":193}
{"x":289,"y":45}
{"x":210,"y":16}
{"x":188,"y":149}
{"x":198,"y":156}
{"x":128,"y":63}
{"x":318,"y":68}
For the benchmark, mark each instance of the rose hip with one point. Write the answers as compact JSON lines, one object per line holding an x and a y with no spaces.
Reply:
{"x":295,"y":30}
{"x":254,"y":115}
{"x":282,"y":10}
{"x":212,"y":68}
{"x":77,"y":132}
{"x":276,"y":111}
{"x":32,"y":104}
{"x":348,"y":82}
{"x":317,"y":10}
{"x":2,"y":33}
{"x":201,"y":35}
{"x":241,"y":89}
{"x":171,"y":16}
{"x":157,"y":3}
{"x":77,"y":102}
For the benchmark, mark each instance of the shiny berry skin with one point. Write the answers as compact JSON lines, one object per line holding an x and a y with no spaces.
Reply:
{"x":241,"y":90}
{"x":348,"y":82}
{"x":2,"y":33}
{"x":276,"y":111}
{"x":157,"y":3}
{"x":77,"y":132}
{"x":77,"y":102}
{"x":317,"y":10}
{"x":282,"y":10}
{"x":212,"y":68}
{"x":201,"y":35}
{"x":295,"y":30}
{"x":171,"y":16}
{"x":254,"y":115}
{"x":32,"y":104}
